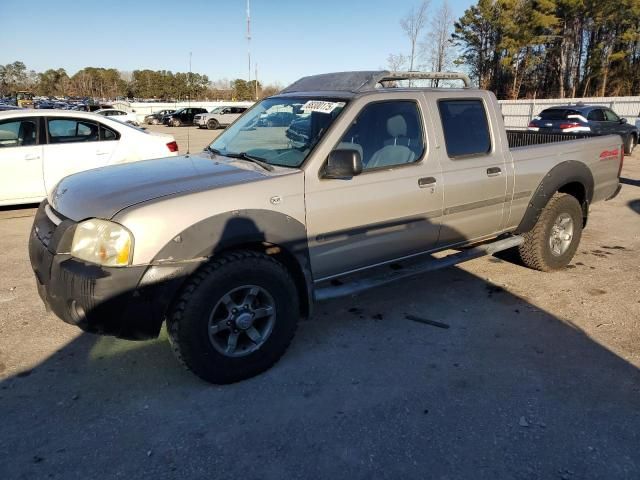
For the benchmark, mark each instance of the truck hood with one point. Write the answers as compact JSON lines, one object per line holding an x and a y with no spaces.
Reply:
{"x":103,"y":192}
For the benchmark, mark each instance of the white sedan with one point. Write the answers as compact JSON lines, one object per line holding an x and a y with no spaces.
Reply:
{"x":40,"y":147}
{"x":120,"y":115}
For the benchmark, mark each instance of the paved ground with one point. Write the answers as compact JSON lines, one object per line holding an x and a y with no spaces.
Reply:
{"x":537,"y":378}
{"x":190,"y":139}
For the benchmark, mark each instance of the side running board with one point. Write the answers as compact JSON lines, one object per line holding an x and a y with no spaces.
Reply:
{"x":346,"y":286}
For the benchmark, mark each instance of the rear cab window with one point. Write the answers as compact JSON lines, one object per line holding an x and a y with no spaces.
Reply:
{"x":557,"y":114}
{"x":465,"y":127}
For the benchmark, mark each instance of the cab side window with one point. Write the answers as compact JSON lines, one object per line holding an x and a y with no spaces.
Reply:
{"x":465,"y":127}
{"x":596,"y":115}
{"x":611,"y":116}
{"x":108,"y":134}
{"x":19,"y":132}
{"x":386,"y":134}
{"x":67,"y":130}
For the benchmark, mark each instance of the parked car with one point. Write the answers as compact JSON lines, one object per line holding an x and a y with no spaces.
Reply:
{"x":218,"y":117}
{"x":232,"y":246}
{"x":120,"y":115}
{"x":38,"y":148}
{"x":156,"y":118}
{"x":183,"y":116}
{"x":579,"y":118}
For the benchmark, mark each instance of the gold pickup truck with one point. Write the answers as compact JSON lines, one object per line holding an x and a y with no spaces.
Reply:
{"x":233,"y":245}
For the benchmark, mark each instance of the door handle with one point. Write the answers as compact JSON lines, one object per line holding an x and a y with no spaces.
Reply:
{"x":426,"y":182}
{"x":32,"y":156}
{"x":494,"y":171}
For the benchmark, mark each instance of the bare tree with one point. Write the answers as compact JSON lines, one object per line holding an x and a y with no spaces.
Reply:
{"x":396,"y":62}
{"x":437,"y":46}
{"x":413,"y":24}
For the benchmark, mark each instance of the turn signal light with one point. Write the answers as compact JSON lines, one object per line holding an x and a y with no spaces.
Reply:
{"x":172,"y":146}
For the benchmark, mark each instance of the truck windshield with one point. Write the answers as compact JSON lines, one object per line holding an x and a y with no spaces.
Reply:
{"x":279,"y":131}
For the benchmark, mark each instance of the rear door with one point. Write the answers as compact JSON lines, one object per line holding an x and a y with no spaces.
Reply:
{"x":474,"y":169}
{"x":21,"y":161}
{"x":598,"y":122}
{"x":73,"y":145}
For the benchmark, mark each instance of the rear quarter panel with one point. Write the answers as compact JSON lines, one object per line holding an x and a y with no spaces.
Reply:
{"x":601,"y":155}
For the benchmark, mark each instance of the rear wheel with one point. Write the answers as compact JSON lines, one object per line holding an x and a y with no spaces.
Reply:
{"x":554,"y":239}
{"x":155,"y":121}
{"x":235,"y":317}
{"x":630,"y":144}
{"x":176,"y":122}
{"x":213,"y":124}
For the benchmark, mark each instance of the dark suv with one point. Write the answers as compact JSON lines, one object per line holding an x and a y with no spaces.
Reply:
{"x":181,"y":117}
{"x":593,"y":119}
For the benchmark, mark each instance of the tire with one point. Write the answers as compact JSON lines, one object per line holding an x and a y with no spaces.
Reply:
{"x":536,"y":252}
{"x":176,"y":122}
{"x":155,"y":121}
{"x":630,"y":144}
{"x":196,"y":313}
{"x":213,"y":124}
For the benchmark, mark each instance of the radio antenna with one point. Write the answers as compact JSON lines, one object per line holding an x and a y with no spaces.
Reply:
{"x":189,"y":102}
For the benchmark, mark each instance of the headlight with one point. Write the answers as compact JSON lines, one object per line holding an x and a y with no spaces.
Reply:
{"x":102,"y":242}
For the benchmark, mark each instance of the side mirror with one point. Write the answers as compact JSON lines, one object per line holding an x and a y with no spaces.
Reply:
{"x":343,"y":164}
{"x":623,"y":120}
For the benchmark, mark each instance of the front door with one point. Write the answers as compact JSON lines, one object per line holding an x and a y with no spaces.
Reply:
{"x":389,"y":211}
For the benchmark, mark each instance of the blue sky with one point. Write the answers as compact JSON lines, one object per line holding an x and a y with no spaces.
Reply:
{"x":290,"y":39}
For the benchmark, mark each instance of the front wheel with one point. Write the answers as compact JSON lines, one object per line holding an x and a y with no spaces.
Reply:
{"x":176,"y":122}
{"x":554,"y":239}
{"x":212,"y":124}
{"x":235,"y":318}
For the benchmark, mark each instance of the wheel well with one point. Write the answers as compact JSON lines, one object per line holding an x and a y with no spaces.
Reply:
{"x":577,"y":190}
{"x":286,"y":258}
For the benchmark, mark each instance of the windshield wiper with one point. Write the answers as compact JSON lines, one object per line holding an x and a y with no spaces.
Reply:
{"x":212,"y":150}
{"x":250,"y":158}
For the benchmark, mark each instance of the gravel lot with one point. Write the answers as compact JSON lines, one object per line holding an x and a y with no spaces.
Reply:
{"x":537,"y":377}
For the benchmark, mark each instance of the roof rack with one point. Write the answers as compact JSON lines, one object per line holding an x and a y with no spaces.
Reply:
{"x":362,"y":81}
{"x":394,"y":76}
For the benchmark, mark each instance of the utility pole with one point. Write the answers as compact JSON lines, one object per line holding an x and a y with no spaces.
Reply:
{"x":249,"y":38}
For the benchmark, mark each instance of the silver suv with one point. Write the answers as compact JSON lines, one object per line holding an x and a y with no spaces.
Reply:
{"x":232,"y":246}
{"x":218,"y":117}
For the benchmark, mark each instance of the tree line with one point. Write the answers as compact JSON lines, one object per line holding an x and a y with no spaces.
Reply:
{"x":531,"y":48}
{"x":110,"y":83}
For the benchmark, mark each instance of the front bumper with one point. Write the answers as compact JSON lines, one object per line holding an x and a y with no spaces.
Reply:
{"x":127,"y":302}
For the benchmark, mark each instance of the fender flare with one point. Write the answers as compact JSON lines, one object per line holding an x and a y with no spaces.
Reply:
{"x":240,"y":229}
{"x":563,"y":174}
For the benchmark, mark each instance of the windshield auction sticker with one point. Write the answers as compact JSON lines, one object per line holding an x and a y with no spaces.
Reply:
{"x":321,"y":106}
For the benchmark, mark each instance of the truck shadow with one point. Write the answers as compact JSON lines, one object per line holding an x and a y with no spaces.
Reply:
{"x":507,"y":391}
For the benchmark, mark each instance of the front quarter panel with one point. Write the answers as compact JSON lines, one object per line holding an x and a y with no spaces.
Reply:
{"x":203,"y":219}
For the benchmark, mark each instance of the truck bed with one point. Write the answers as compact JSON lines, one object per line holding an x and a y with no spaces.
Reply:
{"x":525,"y":138}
